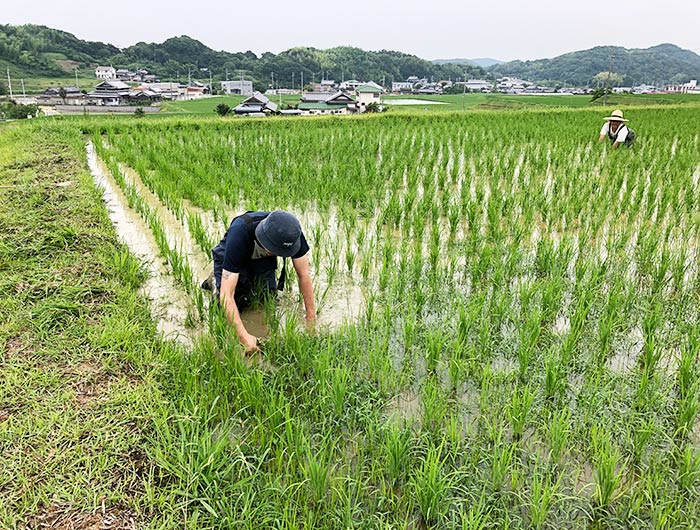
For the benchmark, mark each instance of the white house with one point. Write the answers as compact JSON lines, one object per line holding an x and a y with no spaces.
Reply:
{"x":686,"y":88}
{"x":326,"y":103}
{"x":401,"y":86}
{"x":367,"y":94}
{"x":242,"y":87}
{"x":105,"y":72}
{"x":477,"y":85}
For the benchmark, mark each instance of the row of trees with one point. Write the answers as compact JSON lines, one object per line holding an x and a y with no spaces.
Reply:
{"x":661,"y":64}
{"x":33,"y":51}
{"x":14,"y":111}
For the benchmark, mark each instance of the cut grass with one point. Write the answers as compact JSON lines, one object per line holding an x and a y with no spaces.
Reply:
{"x":79,"y":350}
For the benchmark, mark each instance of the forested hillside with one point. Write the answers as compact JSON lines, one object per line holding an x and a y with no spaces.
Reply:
{"x":665,"y":63}
{"x":43,"y":52}
{"x":38,"y":51}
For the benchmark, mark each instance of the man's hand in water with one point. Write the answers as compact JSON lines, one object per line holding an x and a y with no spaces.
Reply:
{"x":251,"y":343}
{"x":310,"y":324}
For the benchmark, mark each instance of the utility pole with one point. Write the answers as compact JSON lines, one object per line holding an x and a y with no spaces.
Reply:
{"x":293,"y":80}
{"x":607,"y":78}
{"x":227,"y":74}
{"x":302,"y":82}
{"x":9,"y":81}
{"x":211,"y":86}
{"x":23,"y":93}
{"x":464,"y":89}
{"x":76,"y":77}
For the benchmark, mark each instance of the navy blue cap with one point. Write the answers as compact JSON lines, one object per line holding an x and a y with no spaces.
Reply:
{"x":280,"y":233}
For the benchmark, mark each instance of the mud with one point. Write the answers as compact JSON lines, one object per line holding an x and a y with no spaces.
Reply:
{"x":168,"y":301}
{"x":405,"y":406}
{"x":340,"y":303}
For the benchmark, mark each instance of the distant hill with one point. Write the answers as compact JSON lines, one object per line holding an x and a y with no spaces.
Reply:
{"x":38,"y":51}
{"x":483,"y":62}
{"x":665,"y":63}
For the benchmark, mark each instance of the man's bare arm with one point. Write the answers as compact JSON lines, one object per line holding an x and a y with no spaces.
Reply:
{"x":229,"y":280}
{"x":301,"y":265}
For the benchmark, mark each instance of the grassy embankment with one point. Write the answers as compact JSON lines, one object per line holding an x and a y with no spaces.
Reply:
{"x":79,"y":356}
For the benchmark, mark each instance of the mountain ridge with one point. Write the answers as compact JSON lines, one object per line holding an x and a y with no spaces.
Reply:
{"x":40,"y":51}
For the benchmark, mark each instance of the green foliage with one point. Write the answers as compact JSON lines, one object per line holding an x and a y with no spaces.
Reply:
{"x":222,"y":109}
{"x":139,"y":112}
{"x":15,"y":111}
{"x":658,"y":64}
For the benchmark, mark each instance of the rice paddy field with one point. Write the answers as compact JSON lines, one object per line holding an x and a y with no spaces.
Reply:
{"x":507,"y":328}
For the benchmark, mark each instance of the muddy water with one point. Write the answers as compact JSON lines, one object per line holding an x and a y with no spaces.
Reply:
{"x":342,"y":302}
{"x":167,"y":300}
{"x":178,"y":237}
{"x":405,"y":406}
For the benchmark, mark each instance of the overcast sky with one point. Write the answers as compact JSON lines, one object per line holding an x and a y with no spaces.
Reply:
{"x":502,"y":29}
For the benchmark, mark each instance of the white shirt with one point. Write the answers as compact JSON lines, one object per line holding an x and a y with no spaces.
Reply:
{"x":621,"y":132}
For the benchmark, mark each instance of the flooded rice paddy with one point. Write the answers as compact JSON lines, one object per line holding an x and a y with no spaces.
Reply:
{"x":523,"y":305}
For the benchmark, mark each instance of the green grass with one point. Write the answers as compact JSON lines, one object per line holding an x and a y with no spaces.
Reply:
{"x":203,"y":106}
{"x":79,"y":353}
{"x":526,"y":355}
{"x":457,"y":102}
{"x":37,"y":85}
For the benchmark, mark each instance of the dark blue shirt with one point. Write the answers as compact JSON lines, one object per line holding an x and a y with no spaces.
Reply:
{"x":240,"y":248}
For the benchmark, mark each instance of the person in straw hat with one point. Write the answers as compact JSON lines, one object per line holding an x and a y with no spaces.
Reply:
{"x":616,"y":130}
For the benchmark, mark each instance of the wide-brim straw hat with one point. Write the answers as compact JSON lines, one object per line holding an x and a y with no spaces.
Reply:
{"x":615,"y":116}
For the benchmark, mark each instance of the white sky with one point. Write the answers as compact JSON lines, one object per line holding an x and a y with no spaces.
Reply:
{"x":501,"y":29}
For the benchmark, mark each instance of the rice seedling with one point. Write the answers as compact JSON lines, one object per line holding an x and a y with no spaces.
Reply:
{"x":608,"y":463}
{"x":431,"y":484}
{"x":526,"y":272}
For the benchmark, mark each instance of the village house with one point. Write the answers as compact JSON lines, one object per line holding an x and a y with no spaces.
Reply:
{"x":52,"y":96}
{"x":511,"y":85}
{"x":367,"y":95}
{"x":314,"y":103}
{"x":113,"y":93}
{"x":242,"y":87}
{"x":166,"y":90}
{"x":686,"y":88}
{"x":256,"y":105}
{"x":105,"y":72}
{"x":326,"y":85}
{"x":196,"y":91}
{"x":404,"y":87}
{"x":109,"y":92}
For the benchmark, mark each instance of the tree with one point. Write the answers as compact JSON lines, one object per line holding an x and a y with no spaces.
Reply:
{"x":608,"y":78}
{"x":600,"y":92}
{"x":62,"y":94}
{"x":14,"y":111}
{"x":222,"y":109}
{"x":372,"y":107}
{"x":139,"y":112}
